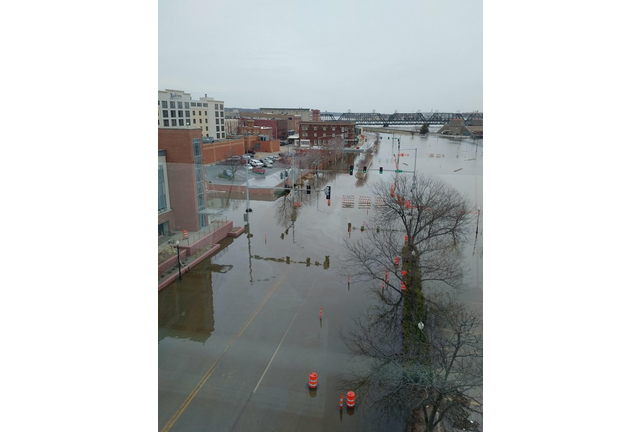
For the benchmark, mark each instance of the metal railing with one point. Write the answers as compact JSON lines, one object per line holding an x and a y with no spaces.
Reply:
{"x":197,"y":235}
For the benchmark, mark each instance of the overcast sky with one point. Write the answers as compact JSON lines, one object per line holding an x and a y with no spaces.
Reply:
{"x":332,"y":55}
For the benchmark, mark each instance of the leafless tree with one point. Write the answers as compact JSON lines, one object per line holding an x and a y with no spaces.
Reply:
{"x":232,"y":164}
{"x":411,"y":251}
{"x":424,"y":223}
{"x":431,"y":378}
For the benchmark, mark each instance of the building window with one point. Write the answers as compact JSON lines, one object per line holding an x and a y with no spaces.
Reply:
{"x":199,"y":104}
{"x":205,"y":104}
{"x":206,"y":112}
{"x":193,"y":104}
{"x":188,"y":122}
{"x":200,"y":191}
{"x":166,"y":123}
{"x":216,"y":105}
{"x":221,"y":108}
{"x":187,"y":113}
{"x":180,"y":114}
{"x":162,"y":196}
{"x":173,"y":113}
{"x":207,"y":129}
{"x":217,"y":121}
{"x":218,"y":128}
{"x":194,"y":113}
{"x":304,"y":134}
{"x":200,"y":120}
{"x":179,"y":105}
{"x":173,"y":122}
{"x":206,"y":120}
{"x":315,"y":128}
{"x":222,"y":128}
{"x":165,"y":113}
{"x":199,"y":112}
{"x":181,"y":122}
{"x":164,"y":104}
{"x":172,"y":104}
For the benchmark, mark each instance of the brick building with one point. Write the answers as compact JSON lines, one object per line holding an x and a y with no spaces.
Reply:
{"x":181,"y":180}
{"x":320,"y":133}
{"x":281,"y":123}
{"x":249,"y":127}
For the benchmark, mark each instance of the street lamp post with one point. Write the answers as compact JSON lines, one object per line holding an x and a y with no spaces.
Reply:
{"x":179,"y":268}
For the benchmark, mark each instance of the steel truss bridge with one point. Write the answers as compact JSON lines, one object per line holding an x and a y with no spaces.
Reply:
{"x":397,"y":119}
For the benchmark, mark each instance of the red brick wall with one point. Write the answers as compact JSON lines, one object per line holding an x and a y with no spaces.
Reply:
{"x":272,"y":146}
{"x":217,"y":151}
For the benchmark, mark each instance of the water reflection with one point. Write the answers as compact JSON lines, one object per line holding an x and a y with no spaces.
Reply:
{"x":185,"y":308}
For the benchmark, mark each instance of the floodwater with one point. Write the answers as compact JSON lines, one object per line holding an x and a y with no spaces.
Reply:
{"x":240,"y":334}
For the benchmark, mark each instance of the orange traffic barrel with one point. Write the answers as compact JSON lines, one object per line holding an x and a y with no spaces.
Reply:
{"x":185,"y":234}
{"x":351,"y":399}
{"x":404,"y":273}
{"x":406,"y":240}
{"x":396,"y":261}
{"x":404,"y":287}
{"x":313,"y":380}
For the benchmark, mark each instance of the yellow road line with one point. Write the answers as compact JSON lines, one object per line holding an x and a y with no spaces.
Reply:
{"x":204,"y":379}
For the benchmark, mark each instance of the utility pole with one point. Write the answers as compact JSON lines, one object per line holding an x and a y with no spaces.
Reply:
{"x":246,"y":217}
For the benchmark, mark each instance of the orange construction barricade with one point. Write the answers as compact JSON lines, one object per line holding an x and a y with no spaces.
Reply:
{"x":351,"y":399}
{"x":313,"y":380}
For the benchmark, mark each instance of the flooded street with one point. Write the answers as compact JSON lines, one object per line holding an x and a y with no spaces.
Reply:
{"x":240,"y":334}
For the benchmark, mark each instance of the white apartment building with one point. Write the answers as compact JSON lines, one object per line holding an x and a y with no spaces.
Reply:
{"x":176,"y":109}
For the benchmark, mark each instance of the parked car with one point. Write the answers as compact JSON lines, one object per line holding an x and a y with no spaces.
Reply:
{"x":258,"y":170}
{"x":256,"y":163}
{"x":275,"y":157}
{"x":268,"y":164}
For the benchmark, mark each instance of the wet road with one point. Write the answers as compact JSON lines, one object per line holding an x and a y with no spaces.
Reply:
{"x":239,"y":335}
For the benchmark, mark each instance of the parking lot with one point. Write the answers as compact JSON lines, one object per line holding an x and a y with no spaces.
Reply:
{"x":236,"y":171}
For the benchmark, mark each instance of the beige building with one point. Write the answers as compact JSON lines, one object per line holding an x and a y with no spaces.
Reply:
{"x":176,"y":109}
{"x":304,"y":113}
{"x":231,"y":126}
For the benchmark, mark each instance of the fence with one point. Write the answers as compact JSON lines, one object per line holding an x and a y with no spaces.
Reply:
{"x":197,"y":235}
